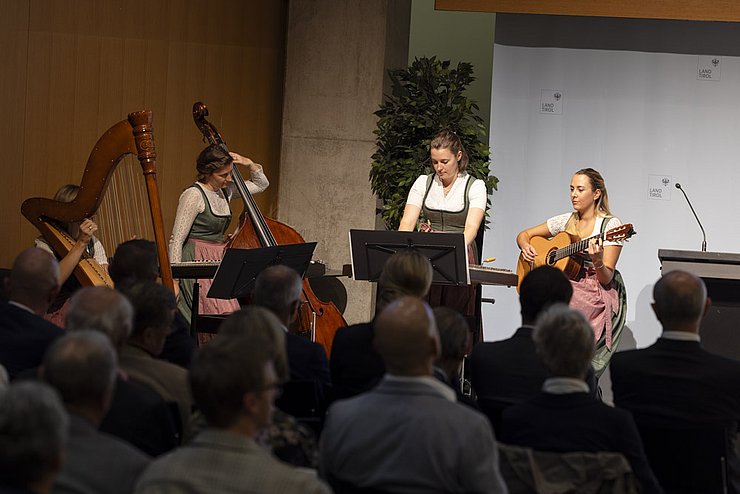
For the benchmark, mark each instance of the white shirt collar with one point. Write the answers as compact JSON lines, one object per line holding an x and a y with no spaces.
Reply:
{"x":21,"y":306}
{"x":447,"y":392}
{"x":680,"y":336}
{"x":564,"y":385}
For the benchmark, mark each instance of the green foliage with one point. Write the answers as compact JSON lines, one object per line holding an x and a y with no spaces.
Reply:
{"x":426,"y":98}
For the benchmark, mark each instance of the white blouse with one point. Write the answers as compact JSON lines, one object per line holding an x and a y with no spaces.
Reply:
{"x":98,"y":250}
{"x":191,"y":204}
{"x":455,"y":198}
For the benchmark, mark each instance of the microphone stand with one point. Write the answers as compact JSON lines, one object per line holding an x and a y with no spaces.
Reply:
{"x":704,"y":235}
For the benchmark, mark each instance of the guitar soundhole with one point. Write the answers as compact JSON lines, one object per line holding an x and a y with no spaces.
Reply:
{"x":551,"y":258}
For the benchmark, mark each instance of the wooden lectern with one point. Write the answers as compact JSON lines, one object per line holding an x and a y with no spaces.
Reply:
{"x":720,"y":329}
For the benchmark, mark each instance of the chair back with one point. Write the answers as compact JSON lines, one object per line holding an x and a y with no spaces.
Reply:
{"x":527,"y":471}
{"x":687,"y":459}
{"x":302,"y":400}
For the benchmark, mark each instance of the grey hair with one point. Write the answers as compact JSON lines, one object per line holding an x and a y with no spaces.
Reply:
{"x":564,"y":341}
{"x":277,"y":288}
{"x":102,"y":309}
{"x":33,"y":430}
{"x":81,"y":366}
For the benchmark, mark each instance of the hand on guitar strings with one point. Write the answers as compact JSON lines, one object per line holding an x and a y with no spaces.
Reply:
{"x":596,"y":251}
{"x":529,"y":253}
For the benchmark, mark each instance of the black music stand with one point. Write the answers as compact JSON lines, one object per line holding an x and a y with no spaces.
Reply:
{"x":370,"y":249}
{"x":239,"y":269}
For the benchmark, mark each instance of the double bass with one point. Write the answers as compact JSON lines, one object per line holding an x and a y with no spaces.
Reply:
{"x":315,"y":317}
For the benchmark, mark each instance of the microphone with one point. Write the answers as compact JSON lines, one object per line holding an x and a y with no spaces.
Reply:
{"x":704,"y":242}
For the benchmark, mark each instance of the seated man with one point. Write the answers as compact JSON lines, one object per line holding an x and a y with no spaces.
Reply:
{"x":278,"y":289}
{"x":409,"y":432}
{"x":135,"y":261}
{"x":510,"y":371}
{"x":355,"y":365}
{"x":234,"y":384}
{"x":455,"y":339}
{"x":24,"y":333}
{"x":33,"y":431}
{"x":565,"y":417}
{"x":81,"y":366}
{"x":136,"y":414}
{"x":675,"y":383}
{"x":154,"y":308}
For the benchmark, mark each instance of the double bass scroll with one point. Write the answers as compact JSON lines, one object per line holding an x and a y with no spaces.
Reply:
{"x":315,"y":317}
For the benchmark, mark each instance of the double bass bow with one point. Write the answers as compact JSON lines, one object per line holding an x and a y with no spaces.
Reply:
{"x":315,"y":317}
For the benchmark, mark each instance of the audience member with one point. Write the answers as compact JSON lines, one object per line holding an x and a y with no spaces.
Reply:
{"x":134,"y":261}
{"x":355,"y":365}
{"x":455,"y":339}
{"x":565,"y":417}
{"x":136,"y":414}
{"x":24,"y":334}
{"x":285,"y":438}
{"x":81,"y":366}
{"x":154,"y":308}
{"x":33,"y":431}
{"x":234,"y":384}
{"x":504,"y":373}
{"x":675,"y":383}
{"x":408,"y":432}
{"x":279,"y":288}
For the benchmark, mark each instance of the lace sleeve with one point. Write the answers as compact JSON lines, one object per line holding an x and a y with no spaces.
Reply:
{"x":556,"y":224}
{"x":190,"y":205}
{"x":257,"y":181}
{"x":99,"y":253}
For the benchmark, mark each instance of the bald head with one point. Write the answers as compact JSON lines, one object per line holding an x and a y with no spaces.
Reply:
{"x":680,"y":301}
{"x":406,"y":337}
{"x":34,"y":279}
{"x":101,"y":309}
{"x":279,"y":288}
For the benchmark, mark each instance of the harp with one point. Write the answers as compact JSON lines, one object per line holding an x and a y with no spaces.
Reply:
{"x":128,"y":137}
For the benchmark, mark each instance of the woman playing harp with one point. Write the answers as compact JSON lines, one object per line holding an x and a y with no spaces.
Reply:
{"x":85,"y":244}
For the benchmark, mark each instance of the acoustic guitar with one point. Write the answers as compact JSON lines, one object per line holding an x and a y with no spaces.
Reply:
{"x":559,"y":251}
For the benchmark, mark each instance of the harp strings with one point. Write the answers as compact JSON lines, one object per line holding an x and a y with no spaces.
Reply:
{"x":124,"y":212}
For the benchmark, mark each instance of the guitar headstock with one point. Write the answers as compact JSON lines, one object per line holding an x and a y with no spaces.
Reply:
{"x":619,"y":233}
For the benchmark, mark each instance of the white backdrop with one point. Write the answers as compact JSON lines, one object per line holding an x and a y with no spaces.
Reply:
{"x":629,"y":115}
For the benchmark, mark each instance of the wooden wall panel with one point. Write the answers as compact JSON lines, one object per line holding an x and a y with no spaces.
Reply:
{"x":73,"y":69}
{"x":692,"y":10}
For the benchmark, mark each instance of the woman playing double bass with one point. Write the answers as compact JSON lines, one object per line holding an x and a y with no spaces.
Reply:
{"x":203,"y":216}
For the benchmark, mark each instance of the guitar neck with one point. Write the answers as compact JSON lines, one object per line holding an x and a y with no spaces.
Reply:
{"x":574,"y":248}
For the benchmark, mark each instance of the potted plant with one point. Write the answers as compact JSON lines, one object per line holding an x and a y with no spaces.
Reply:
{"x":426,"y":97}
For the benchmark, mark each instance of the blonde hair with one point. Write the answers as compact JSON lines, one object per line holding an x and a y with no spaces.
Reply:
{"x":602,"y":203}
{"x":68,"y":193}
{"x":447,"y":139}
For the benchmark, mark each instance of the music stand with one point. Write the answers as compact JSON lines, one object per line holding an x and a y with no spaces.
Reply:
{"x":239,"y":268}
{"x":370,"y":249}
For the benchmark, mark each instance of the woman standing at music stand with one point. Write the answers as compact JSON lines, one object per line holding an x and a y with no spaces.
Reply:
{"x":203,"y":216}
{"x":449,"y":200}
{"x":598,"y":289}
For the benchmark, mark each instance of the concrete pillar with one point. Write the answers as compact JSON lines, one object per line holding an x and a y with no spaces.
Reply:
{"x":338,"y":54}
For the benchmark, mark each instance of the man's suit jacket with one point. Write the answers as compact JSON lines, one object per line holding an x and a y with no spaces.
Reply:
{"x":510,"y":371}
{"x":222,"y":462}
{"x":168,"y":380}
{"x":24,"y":338}
{"x":577,"y":422}
{"x":672,"y":383}
{"x":409,"y":434}
{"x":139,"y":416}
{"x":355,"y":365}
{"x":307,"y":361}
{"x":97,"y":462}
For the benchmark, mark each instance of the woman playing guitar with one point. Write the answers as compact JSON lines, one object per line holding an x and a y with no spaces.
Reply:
{"x":598,"y":290}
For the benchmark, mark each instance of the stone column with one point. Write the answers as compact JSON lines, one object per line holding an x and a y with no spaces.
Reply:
{"x":338,"y":54}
